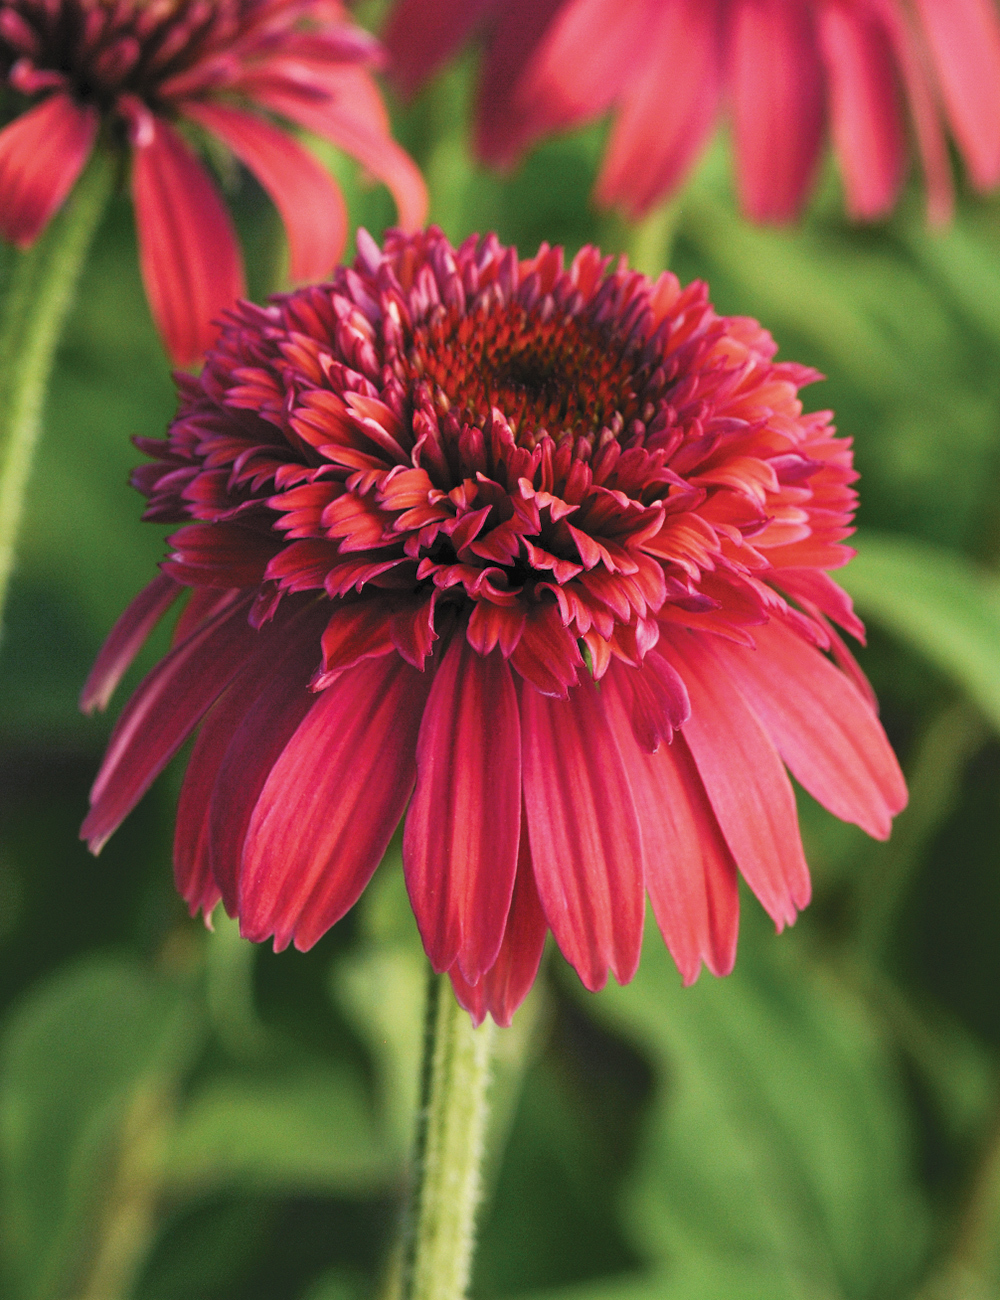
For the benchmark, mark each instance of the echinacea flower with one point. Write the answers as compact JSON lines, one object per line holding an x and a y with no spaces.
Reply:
{"x":783,"y":71}
{"x":538,"y":551}
{"x":139,"y":70}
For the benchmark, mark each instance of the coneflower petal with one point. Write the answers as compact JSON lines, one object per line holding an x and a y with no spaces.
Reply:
{"x":190,"y":261}
{"x":518,"y":27}
{"x":927,"y":125}
{"x":745,"y":780}
{"x":584,"y":833}
{"x":964,"y":37}
{"x":126,"y":639}
{"x":310,"y":203}
{"x":460,"y":845}
{"x":689,"y":871}
{"x":650,"y":152}
{"x":820,"y":725}
{"x":866,"y":118}
{"x":238,"y":743}
{"x":327,"y":810}
{"x":42,"y":153}
{"x":168,"y":704}
{"x":347,"y":121}
{"x":503,"y":988}
{"x":571,"y":76}
{"x":777,"y":88}
{"x":419,"y":41}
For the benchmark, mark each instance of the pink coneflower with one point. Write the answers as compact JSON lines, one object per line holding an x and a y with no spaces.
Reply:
{"x":538,"y":551}
{"x":782,"y":70}
{"x":139,"y":69}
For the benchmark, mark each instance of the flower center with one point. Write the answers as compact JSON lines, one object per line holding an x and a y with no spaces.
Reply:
{"x":104,"y":49}
{"x":545,"y":373}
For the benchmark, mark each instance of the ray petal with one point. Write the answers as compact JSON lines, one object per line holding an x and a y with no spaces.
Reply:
{"x":460,"y":847}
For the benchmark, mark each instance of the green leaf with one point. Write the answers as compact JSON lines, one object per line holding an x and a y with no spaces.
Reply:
{"x":84,"y":1056}
{"x":308,"y":1130}
{"x":968,"y":266}
{"x":776,"y":1163}
{"x":339,"y":1284}
{"x":941,"y":603}
{"x":380,"y":986}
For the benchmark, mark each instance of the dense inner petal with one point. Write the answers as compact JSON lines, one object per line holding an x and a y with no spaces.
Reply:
{"x":553,"y":460}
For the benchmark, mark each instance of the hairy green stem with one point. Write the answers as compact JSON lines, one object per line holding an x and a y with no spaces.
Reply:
{"x":450,"y":1140}
{"x":41,"y":291}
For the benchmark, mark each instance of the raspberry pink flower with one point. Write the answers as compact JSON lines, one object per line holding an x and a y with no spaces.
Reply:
{"x":873,"y":71}
{"x":538,"y":551}
{"x":139,"y":69}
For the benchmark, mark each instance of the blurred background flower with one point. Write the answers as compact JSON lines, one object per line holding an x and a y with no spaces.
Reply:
{"x":136,"y":69}
{"x":782,"y":72}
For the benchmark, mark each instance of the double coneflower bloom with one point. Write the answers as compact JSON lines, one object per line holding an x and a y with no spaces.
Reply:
{"x":533,"y":554}
{"x":783,"y":71}
{"x":152,"y":73}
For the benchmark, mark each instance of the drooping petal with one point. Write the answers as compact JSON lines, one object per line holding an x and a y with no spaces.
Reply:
{"x":187,"y":247}
{"x":657,"y":701}
{"x":964,"y":38}
{"x":460,"y":846}
{"x":126,"y":639}
{"x":689,"y":871}
{"x":311,"y":204}
{"x":821,"y":726}
{"x":865,"y":114}
{"x":345,"y":122}
{"x":584,"y":832}
{"x":327,"y":811}
{"x":501,"y":133}
{"x":203,"y":604}
{"x":269,"y":723}
{"x":422,"y":35}
{"x":192,"y":851}
{"x":42,"y":153}
{"x":573,"y":77}
{"x":269,"y":694}
{"x":817,"y":589}
{"x":506,"y":984}
{"x":167,"y":705}
{"x":745,"y":780}
{"x":847,"y":663}
{"x":922,"y":100}
{"x":660,"y":130}
{"x":777,"y":89}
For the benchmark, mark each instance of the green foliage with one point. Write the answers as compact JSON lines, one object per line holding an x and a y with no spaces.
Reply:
{"x":90,"y":1062}
{"x":944,"y":605}
{"x":296,"y":1131}
{"x":776,"y":1161}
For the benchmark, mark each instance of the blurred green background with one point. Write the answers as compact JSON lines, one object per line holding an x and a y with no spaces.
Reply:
{"x":182,"y":1115}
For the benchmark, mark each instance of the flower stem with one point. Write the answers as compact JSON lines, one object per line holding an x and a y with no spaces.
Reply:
{"x":41,"y":291}
{"x":449,"y":1150}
